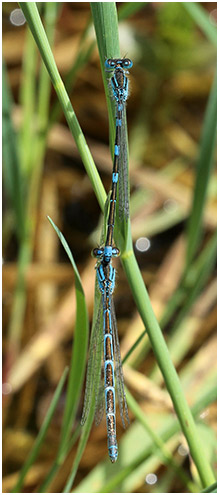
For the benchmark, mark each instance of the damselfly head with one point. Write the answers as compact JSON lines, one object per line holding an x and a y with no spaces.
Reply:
{"x":113,"y":63}
{"x":106,"y":251}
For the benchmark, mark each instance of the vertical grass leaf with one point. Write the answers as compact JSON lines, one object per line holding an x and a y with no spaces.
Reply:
{"x":11,"y":169}
{"x":203,"y":171}
{"x":78,"y":361}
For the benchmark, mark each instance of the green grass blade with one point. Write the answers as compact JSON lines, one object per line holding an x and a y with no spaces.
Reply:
{"x":106,"y":26}
{"x":42,"y":434}
{"x":27,"y":102}
{"x":50,"y":18}
{"x":78,"y":362}
{"x":204,"y":167}
{"x":201,"y":18}
{"x":11,"y":166}
{"x":136,"y":343}
{"x":211,"y":489}
{"x":105,"y":23}
{"x":42,"y":117}
{"x":32,"y":16}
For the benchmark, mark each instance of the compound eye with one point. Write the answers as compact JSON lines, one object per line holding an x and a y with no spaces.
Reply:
{"x":97,"y":252}
{"x":110,"y":64}
{"x":127,"y":63}
{"x":115,"y":252}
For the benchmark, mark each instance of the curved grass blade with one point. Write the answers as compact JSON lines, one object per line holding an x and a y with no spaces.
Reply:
{"x":78,"y":362}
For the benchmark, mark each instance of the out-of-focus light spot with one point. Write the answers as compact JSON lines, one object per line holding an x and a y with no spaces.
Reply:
{"x":151,"y":479}
{"x":183,"y":450}
{"x":6,"y":388}
{"x":17,"y":17}
{"x":142,"y":244}
{"x":204,"y":414}
{"x":127,"y":40}
{"x":213,"y":17}
{"x":170,"y":205}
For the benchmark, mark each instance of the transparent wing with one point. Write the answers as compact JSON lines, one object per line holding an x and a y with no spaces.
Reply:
{"x":102,"y":225}
{"x":106,"y":215}
{"x":94,"y":359}
{"x":99,"y":406}
{"x":123,"y":408}
{"x":99,"y":391}
{"x":123,"y":172}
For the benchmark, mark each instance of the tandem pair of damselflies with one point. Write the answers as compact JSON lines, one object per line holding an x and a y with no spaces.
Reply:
{"x":104,"y":337}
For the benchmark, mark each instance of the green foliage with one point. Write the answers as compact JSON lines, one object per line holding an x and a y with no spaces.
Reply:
{"x":175,"y":26}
